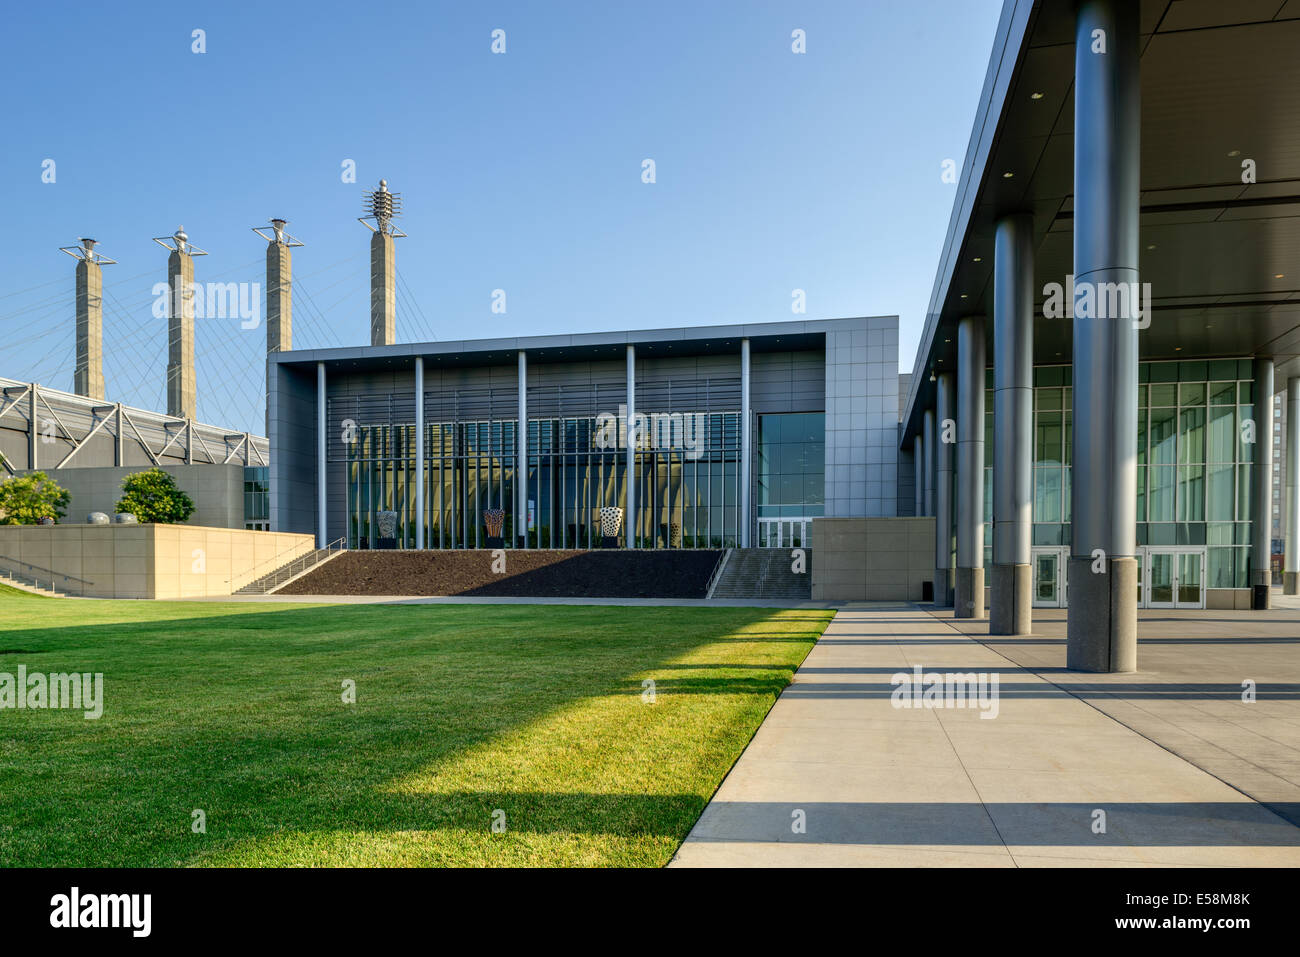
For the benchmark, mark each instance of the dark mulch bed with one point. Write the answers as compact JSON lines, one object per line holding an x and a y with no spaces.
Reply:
{"x":613,"y":573}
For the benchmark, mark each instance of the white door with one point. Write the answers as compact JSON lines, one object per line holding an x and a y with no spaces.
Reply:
{"x":1048,"y":566}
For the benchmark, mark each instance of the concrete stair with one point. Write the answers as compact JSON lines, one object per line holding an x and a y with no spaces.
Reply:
{"x":30,"y":585}
{"x":764,"y":573}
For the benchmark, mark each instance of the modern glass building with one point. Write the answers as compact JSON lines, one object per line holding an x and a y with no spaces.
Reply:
{"x":707,"y":437}
{"x":1092,"y":405}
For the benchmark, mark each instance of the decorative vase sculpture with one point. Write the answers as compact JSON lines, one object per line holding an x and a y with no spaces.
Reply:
{"x":45,"y":520}
{"x":611,"y":520}
{"x":386,"y":526}
{"x":494,"y":519}
{"x":675,"y":534}
{"x":97,"y":518}
{"x":126,"y":518}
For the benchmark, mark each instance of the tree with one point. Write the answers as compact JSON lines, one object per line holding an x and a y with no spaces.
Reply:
{"x":153,"y":496}
{"x":26,"y":499}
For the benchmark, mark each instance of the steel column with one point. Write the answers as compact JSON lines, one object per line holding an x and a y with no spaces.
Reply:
{"x":969,"y":586}
{"x":943,"y":510}
{"x":918,"y":470}
{"x":1261,"y":569}
{"x":521,"y":456}
{"x":1291,"y":507}
{"x":1011,"y":577}
{"x":746,"y":440}
{"x":1102,"y":628}
{"x":927,"y":433}
{"x":321,"y":445}
{"x":629,"y":520}
{"x":33,"y":440}
{"x":419,"y":452}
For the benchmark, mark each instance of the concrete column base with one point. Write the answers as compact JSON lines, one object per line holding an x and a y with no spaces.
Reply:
{"x":1011,"y":610}
{"x":969,"y":598}
{"x":943,"y":587}
{"x":1291,"y":583}
{"x":1262,"y":590}
{"x":1102,"y":627}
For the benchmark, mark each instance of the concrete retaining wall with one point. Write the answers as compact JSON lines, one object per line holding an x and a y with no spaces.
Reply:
{"x":148,"y":561}
{"x":871,"y":559}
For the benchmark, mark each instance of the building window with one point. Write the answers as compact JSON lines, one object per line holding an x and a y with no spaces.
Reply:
{"x":257,"y":497}
{"x":791,"y":465}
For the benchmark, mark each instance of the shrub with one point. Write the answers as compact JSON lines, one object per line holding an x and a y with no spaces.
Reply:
{"x":26,"y":499}
{"x":153,"y":496}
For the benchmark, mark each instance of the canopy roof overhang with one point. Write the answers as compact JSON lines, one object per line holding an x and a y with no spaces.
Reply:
{"x":1220,"y":85}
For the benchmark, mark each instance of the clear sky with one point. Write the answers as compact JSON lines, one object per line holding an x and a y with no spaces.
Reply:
{"x":520,"y":171}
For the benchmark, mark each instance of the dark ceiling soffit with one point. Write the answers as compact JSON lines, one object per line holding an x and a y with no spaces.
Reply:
{"x":1004,"y":63}
{"x":1207,"y":204}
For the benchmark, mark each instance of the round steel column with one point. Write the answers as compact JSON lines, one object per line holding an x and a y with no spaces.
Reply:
{"x":1011,"y":577}
{"x":744,"y":520}
{"x":918,"y":470}
{"x":633,"y":439}
{"x":521,"y":455}
{"x":969,"y":586}
{"x":943,"y":510}
{"x":1291,"y":507}
{"x":419,"y":452}
{"x":1261,"y":551}
{"x":927,"y":433}
{"x":1102,"y":573}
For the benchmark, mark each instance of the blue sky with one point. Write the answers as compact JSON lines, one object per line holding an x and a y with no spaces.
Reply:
{"x":520,"y":172}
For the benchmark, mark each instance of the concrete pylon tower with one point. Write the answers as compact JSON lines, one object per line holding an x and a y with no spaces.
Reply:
{"x":88,"y":377}
{"x":182,"y":389}
{"x":279,"y":285}
{"x":381,"y":208}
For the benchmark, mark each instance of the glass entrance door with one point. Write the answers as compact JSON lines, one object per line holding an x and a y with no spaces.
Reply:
{"x":1174,"y":578}
{"x":1190,"y":577}
{"x":1049,"y":566}
{"x":1160,"y":580}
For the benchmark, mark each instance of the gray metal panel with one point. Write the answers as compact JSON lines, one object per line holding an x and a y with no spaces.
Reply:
{"x":291,"y":418}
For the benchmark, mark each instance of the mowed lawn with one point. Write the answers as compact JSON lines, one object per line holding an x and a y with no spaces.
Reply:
{"x":533,"y":717}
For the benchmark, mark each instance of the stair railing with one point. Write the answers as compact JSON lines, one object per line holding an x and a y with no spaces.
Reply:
{"x":54,"y":576}
{"x":300,"y":564}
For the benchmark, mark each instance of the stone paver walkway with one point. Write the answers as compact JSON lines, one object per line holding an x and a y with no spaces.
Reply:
{"x":875,"y":784}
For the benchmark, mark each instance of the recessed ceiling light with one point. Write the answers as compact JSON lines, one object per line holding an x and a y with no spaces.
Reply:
{"x":1152,"y":246}
{"x":979,"y":259}
{"x":1234,"y":152}
{"x":1035,"y":96}
{"x":1178,"y":348}
{"x":1008,"y":174}
{"x":1280,"y":275}
{"x":963,"y":295}
{"x":947,"y":340}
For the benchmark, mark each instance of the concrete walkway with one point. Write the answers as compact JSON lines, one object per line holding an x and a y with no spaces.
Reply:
{"x":880,"y":785}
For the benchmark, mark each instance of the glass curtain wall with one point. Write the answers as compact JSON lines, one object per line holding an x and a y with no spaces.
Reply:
{"x":791,"y":472}
{"x":1194,"y":462}
{"x":686,"y":497}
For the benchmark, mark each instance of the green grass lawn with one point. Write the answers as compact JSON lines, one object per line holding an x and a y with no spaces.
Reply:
{"x":461,"y":711}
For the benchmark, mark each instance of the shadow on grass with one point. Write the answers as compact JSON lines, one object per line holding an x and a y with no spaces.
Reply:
{"x":240,"y":714}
